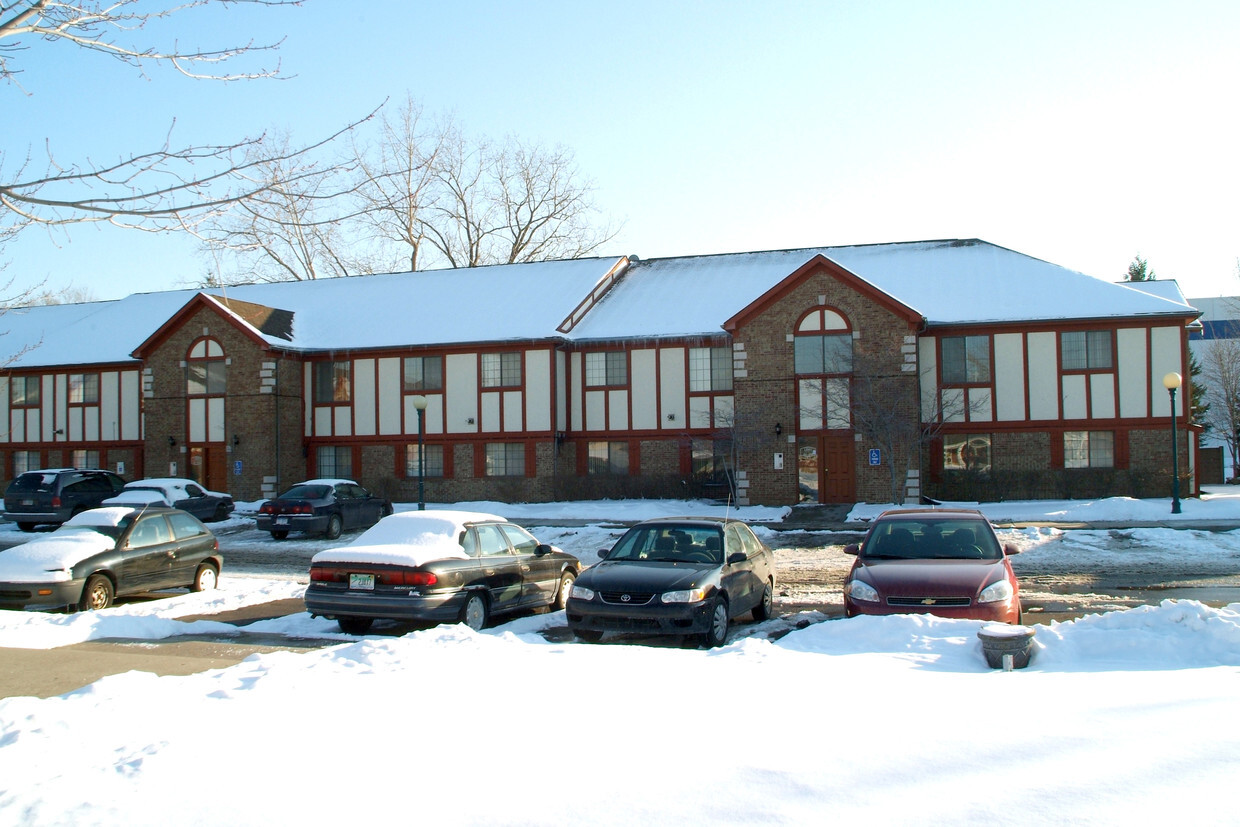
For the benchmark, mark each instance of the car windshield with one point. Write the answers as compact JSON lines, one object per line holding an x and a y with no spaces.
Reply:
{"x":937,"y":539}
{"x":669,"y":542}
{"x":112,"y":532}
{"x":306,"y":492}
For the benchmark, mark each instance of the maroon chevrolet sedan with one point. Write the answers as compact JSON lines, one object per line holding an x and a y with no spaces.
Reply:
{"x":940,"y":561}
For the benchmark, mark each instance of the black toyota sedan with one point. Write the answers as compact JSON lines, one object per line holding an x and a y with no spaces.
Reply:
{"x":678,"y":575}
{"x":326,"y":507}
{"x":110,"y":551}
{"x":439,"y":566}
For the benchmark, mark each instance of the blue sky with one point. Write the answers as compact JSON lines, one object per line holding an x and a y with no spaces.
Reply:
{"x":1079,"y":133}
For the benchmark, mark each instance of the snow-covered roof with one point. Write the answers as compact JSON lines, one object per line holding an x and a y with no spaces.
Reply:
{"x":478,"y":304}
{"x":946,"y":282}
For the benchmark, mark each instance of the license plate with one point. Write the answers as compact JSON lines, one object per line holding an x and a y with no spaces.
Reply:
{"x":362,"y":581}
{"x":281,"y":520}
{"x":27,"y":502}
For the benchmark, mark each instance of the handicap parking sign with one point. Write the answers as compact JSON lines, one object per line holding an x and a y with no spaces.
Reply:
{"x":876,"y":456}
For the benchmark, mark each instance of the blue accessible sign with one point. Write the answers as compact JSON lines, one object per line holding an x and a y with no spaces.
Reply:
{"x":876,"y":456}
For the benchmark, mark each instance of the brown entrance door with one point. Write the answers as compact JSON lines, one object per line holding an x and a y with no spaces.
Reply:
{"x":208,"y":466}
{"x":839,"y":473}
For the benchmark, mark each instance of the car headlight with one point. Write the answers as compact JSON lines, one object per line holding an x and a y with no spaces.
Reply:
{"x":684,"y":596}
{"x":862,"y":591}
{"x":996,"y":592}
{"x":580,"y":593}
{"x":60,"y":575}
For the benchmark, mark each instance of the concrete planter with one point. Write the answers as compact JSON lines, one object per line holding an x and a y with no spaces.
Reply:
{"x":1007,"y":647}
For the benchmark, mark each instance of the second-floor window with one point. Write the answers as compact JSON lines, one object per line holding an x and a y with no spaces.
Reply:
{"x":501,"y":370}
{"x":423,"y":373}
{"x":332,"y":382}
{"x":1086,"y":349}
{"x":610,"y":368}
{"x":966,"y":360}
{"x":24,"y":390}
{"x":204,"y":369}
{"x":710,"y":369}
{"x":83,"y":388}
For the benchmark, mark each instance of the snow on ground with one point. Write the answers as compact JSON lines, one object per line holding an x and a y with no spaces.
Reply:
{"x":1121,"y":717}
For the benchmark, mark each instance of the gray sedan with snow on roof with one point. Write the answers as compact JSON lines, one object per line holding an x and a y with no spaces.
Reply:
{"x":438,"y":566}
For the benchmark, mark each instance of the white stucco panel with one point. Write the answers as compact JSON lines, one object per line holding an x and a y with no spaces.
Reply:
{"x":981,"y":405}
{"x":596,"y":411}
{"x":1073,"y":399}
{"x":433,"y":415}
{"x":1009,"y":369}
{"x":490,"y":422}
{"x":699,"y":412}
{"x":514,"y":408}
{"x":322,"y":421}
{"x":5,"y":426}
{"x":672,"y":387}
{"x":577,"y":400}
{"x":342,"y":422}
{"x":1164,"y":359}
{"x":725,"y":410}
{"x":365,"y":414}
{"x":537,"y":395}
{"x":460,"y":393}
{"x":953,"y":404}
{"x":131,"y":402}
{"x":618,"y":410}
{"x":391,"y":389}
{"x":1102,"y":396}
{"x":645,"y":397}
{"x":1043,"y":376}
{"x":1134,"y":376}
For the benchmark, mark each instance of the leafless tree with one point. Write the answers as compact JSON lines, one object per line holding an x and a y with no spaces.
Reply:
{"x":168,"y":187}
{"x":289,"y":230}
{"x":1220,"y":370}
{"x":397,"y":185}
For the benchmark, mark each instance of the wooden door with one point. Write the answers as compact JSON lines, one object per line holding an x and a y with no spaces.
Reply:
{"x":839,"y":471}
{"x":208,"y":466}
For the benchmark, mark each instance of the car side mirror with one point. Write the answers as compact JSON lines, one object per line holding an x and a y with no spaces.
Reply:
{"x":852,"y":548}
{"x":1009,"y":549}
{"x":603,"y":552}
{"x":737,"y":557}
{"x":541,"y":549}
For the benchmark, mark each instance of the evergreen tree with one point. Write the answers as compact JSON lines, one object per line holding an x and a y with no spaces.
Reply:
{"x":1140,"y":270}
{"x":1200,"y":395}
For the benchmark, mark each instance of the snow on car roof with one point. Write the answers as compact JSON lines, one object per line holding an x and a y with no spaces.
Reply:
{"x":325,"y":481}
{"x":110,"y":517}
{"x":137,"y":495}
{"x":410,"y":538}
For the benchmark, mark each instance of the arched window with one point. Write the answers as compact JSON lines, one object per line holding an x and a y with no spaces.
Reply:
{"x":204,"y":369}
{"x":823,"y":361}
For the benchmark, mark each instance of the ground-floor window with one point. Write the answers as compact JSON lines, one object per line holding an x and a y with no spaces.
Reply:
{"x":608,"y":458}
{"x":82,"y":458}
{"x":334,"y":461}
{"x":1089,"y":449}
{"x":24,"y":461}
{"x":967,"y":452}
{"x":433,"y":465}
{"x":505,"y":459}
{"x":711,"y":460}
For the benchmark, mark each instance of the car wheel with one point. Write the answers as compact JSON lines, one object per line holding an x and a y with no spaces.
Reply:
{"x":588,"y":635}
{"x":474,"y":612}
{"x":567,"y":579}
{"x":717,"y":634}
{"x":97,"y":595}
{"x":205,"y":579}
{"x":334,"y":526}
{"x":763,"y":610}
{"x":355,"y":625}
{"x":221,"y":513}
{"x":279,"y":535}
{"x":26,"y":526}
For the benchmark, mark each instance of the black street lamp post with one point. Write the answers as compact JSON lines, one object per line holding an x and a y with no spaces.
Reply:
{"x":1172,"y":383}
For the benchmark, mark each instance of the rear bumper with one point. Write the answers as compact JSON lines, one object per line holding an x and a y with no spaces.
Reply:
{"x":653,"y":619}
{"x":392,"y":605}
{"x":313,"y":523}
{"x":35,"y":516}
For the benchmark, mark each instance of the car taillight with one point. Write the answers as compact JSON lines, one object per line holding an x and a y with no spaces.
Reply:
{"x":266,"y":508}
{"x":302,"y":508}
{"x":324,"y":575}
{"x":55,"y":502}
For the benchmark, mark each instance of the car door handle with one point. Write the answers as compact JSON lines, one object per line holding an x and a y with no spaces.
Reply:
{"x":525,"y":568}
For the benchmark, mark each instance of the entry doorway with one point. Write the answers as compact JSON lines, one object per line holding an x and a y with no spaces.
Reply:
{"x":826,"y":469}
{"x":208,"y":466}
